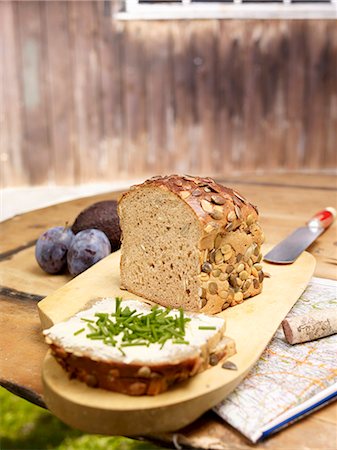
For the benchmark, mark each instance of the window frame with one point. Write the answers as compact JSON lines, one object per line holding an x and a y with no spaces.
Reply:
{"x":133,"y":10}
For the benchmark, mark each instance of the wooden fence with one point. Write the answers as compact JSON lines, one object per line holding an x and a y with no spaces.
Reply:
{"x":85,"y":98}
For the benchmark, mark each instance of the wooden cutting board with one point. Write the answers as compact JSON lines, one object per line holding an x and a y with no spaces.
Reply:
{"x":251,"y":324}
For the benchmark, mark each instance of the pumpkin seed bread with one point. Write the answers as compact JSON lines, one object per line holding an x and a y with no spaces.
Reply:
{"x":189,"y":242}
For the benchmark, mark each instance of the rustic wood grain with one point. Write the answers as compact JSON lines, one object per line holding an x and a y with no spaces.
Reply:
{"x":59,"y":79}
{"x":203,"y":56}
{"x":12,"y":170}
{"x":285,"y":202}
{"x":108,"y":42}
{"x":87,"y":98}
{"x":36,"y":149}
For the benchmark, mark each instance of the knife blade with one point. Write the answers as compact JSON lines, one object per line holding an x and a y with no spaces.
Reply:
{"x":292,"y":246}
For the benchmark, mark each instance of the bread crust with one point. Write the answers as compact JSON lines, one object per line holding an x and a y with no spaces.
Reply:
{"x":225,"y":218}
{"x":137,"y":379}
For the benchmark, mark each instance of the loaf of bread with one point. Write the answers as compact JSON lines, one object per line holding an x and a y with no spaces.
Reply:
{"x":189,"y":242}
{"x":134,"y":368}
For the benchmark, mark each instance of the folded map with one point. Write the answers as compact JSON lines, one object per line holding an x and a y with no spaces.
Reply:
{"x":289,"y":381}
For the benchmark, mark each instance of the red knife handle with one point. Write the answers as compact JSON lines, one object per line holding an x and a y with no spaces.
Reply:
{"x":323,"y":218}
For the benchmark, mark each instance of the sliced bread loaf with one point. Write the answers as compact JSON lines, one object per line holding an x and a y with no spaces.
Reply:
{"x":189,"y":242}
{"x":134,"y":349}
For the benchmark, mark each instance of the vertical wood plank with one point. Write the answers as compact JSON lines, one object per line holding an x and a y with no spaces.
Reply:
{"x":225,"y":104}
{"x":203,"y":58}
{"x":243,"y":69}
{"x":330,"y":157}
{"x":158,"y":98}
{"x":5,"y":168}
{"x":89,"y":152}
{"x":183,"y":83}
{"x":12,"y":172}
{"x":109,"y":40}
{"x":59,"y":77}
{"x":316,"y":111}
{"x":135,"y":75}
{"x":252,"y":48}
{"x":295,"y":97}
{"x":274,"y":55}
{"x":36,"y":149}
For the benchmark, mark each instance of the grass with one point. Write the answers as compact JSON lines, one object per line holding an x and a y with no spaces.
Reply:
{"x":27,"y":426}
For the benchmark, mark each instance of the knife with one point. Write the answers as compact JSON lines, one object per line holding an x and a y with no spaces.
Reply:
{"x":292,"y":246}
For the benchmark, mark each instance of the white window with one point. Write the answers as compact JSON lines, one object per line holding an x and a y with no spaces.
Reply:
{"x":227,"y":9}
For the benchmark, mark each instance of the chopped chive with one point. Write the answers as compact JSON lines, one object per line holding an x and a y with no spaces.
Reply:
{"x":207,"y":328}
{"x":133,"y":344}
{"x":87,"y":320}
{"x":137,"y":329}
{"x":79,"y":331}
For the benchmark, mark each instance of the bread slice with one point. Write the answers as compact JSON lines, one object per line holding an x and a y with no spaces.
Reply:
{"x":137,"y":370}
{"x":189,"y":242}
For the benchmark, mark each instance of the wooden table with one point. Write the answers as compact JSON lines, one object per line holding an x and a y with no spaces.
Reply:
{"x":285,"y":202}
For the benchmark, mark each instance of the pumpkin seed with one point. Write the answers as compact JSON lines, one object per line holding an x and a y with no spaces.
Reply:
{"x":240,"y":267}
{"x":219,"y":257}
{"x":261,"y":276}
{"x":246,"y":285}
{"x":144,"y":372}
{"x":230,"y":268}
{"x":196,"y":192}
{"x":254,"y":272}
{"x":256,"y":283}
{"x":239,"y":196}
{"x":206,"y":267}
{"x":216,"y":273}
{"x":239,"y":256}
{"x":225,"y":248}
{"x":229,"y":365}
{"x":223,"y":277}
{"x":258,"y":266}
{"x":239,"y":281}
{"x":244,"y":275}
{"x":250,"y":219}
{"x":212,"y":287}
{"x":231,"y":216}
{"x":213,"y":359}
{"x":204,"y":276}
{"x":229,"y":227}
{"x":218,"y":199}
{"x":249,"y":252}
{"x":232,"y":280}
{"x":225,"y":306}
{"x":223,"y":294}
{"x":216,"y":215}
{"x":228,"y":255}
{"x":238,"y":297}
{"x":238,"y":212}
{"x":206,"y":206}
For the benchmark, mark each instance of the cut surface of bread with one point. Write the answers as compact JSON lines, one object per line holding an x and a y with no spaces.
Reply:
{"x":136,"y":369}
{"x":189,"y":242}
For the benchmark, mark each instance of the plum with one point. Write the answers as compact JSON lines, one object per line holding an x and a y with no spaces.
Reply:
{"x":52,"y":247}
{"x":87,"y":248}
